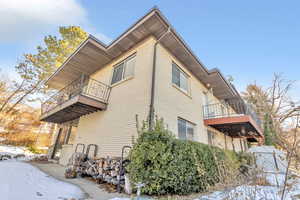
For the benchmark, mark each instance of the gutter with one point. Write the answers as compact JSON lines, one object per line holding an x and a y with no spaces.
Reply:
{"x":152,"y":110}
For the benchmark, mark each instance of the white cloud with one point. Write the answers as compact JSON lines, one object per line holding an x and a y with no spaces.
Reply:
{"x":22,"y":20}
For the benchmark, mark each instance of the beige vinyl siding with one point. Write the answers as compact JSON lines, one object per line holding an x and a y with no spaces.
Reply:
{"x":171,"y":102}
{"x":219,"y":140}
{"x":115,"y":127}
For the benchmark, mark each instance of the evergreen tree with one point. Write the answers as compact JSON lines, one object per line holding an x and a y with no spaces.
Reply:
{"x":268,"y":130}
{"x":34,"y":68}
{"x":55,"y":50}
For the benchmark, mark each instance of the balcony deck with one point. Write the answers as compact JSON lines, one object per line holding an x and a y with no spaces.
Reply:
{"x":83,"y":96}
{"x":234,"y":119}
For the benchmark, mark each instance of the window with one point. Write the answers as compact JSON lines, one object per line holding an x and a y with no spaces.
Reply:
{"x":179,"y":78}
{"x":123,"y":70}
{"x":185,"y":130}
{"x":210,"y":136}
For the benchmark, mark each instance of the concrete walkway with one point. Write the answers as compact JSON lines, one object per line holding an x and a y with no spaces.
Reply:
{"x":93,"y":191}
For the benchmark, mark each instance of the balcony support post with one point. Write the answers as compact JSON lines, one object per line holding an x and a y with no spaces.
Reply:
{"x":232,"y":142}
{"x":225,"y":137}
{"x":242,"y":148}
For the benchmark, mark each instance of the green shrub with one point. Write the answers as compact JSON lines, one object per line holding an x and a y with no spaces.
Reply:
{"x":171,"y":166}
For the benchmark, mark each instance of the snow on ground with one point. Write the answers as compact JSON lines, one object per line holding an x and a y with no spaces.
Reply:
{"x":250,"y":192}
{"x":265,"y":161}
{"x":13,"y":150}
{"x":18,"y":153}
{"x":20,"y":180}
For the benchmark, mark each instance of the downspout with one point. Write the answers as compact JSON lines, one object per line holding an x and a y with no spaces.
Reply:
{"x":152,"y":110}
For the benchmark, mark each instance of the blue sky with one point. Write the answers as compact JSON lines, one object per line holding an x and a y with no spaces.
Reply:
{"x":249,"y":40}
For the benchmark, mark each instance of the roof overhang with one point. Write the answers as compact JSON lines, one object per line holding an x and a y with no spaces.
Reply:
{"x":92,"y":55}
{"x":87,"y":59}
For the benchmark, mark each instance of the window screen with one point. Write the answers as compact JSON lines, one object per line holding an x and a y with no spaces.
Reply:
{"x":185,"y":130}
{"x":123,"y":70}
{"x":175,"y":75}
{"x":183,"y":82}
{"x":181,"y":129}
{"x":179,"y":78}
{"x":118,"y":73}
{"x":129,"y":67}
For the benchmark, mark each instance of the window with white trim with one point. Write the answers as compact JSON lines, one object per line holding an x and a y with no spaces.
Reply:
{"x":186,"y":130}
{"x":180,"y":78}
{"x":123,"y":70}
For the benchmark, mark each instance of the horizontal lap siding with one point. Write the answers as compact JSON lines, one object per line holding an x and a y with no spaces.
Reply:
{"x":115,"y":127}
{"x":171,"y":103}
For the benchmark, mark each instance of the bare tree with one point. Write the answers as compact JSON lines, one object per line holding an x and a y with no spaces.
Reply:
{"x":291,"y":153}
{"x":273,"y":104}
{"x":14,"y":93}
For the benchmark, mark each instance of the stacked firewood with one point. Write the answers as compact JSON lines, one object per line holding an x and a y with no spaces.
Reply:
{"x":75,"y":165}
{"x":103,"y":170}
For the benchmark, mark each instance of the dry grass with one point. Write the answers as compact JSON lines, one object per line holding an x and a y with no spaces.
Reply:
{"x":20,"y":139}
{"x":43,"y":140}
{"x":26,"y":139}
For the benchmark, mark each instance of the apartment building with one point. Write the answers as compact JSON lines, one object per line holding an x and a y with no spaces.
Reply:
{"x":104,"y":89}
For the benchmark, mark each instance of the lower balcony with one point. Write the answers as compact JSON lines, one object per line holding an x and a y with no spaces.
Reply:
{"x":83,"y":96}
{"x":234,"y":118}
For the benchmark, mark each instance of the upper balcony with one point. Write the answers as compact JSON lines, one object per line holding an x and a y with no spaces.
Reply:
{"x":234,"y":118}
{"x":82,"y":96}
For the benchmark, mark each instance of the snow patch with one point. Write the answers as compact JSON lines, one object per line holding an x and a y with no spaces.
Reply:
{"x":20,"y":180}
{"x":8,"y":152}
{"x":265,"y":161}
{"x":14,"y":150}
{"x":246,"y":192}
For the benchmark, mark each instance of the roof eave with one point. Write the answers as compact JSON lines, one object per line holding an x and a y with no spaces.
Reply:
{"x":162,"y":19}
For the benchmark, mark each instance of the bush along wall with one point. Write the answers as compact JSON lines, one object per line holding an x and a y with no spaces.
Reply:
{"x":171,"y":166}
